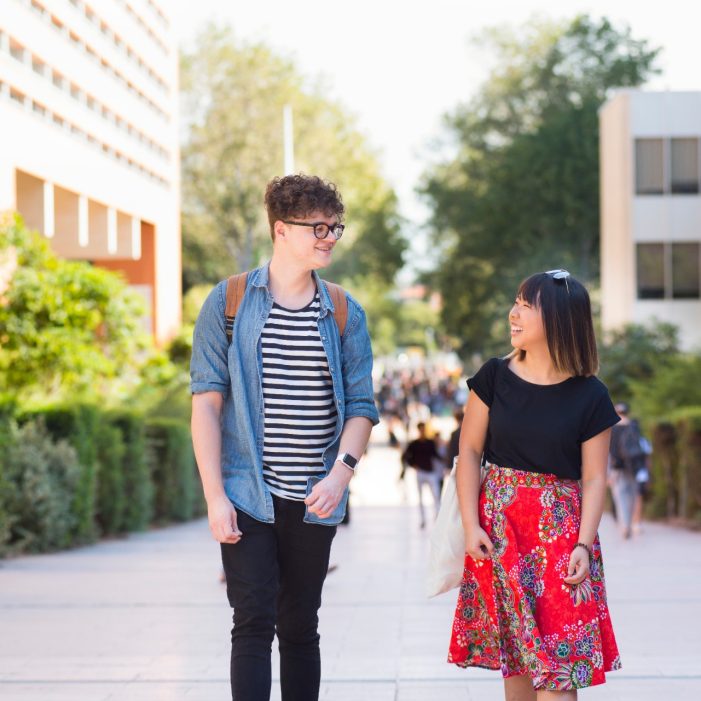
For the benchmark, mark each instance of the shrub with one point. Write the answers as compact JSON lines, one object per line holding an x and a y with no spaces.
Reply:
{"x":43,"y":475}
{"x":111,"y":496}
{"x":688,"y":422}
{"x":78,"y":424}
{"x":173,"y":469}
{"x":136,"y":476}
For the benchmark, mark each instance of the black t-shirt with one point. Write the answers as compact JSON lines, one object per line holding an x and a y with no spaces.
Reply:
{"x":540,"y":428}
{"x":420,"y":454}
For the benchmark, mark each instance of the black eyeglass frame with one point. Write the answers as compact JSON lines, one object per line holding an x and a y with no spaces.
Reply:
{"x":334,"y":230}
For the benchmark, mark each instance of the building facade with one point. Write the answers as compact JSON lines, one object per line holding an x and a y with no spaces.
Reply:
{"x":89,"y":138}
{"x":651,"y":211}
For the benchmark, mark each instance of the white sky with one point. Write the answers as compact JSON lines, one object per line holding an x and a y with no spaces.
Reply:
{"x":399,"y":65}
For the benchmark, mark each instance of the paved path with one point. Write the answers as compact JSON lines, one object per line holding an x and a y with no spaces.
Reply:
{"x":145,"y":618}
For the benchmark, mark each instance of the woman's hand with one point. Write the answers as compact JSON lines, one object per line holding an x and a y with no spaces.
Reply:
{"x":478,"y":545}
{"x":578,"y":568}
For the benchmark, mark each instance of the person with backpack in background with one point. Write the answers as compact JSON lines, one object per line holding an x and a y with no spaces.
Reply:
{"x":282,"y":410}
{"x":628,"y":460}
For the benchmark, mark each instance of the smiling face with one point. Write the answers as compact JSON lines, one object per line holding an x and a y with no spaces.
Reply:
{"x":527,"y":327}
{"x":299,"y":245}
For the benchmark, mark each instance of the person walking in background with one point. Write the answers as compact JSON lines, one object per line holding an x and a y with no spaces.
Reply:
{"x":453,"y":447}
{"x":533,"y":600}
{"x":629,"y":460}
{"x":422,"y":454}
{"x":281,"y":413}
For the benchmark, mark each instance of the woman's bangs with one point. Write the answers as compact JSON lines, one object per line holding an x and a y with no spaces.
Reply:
{"x":529,"y":291}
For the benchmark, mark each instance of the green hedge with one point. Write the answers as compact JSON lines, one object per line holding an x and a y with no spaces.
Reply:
{"x":137,"y":484}
{"x":42,"y":475}
{"x":677,"y":465}
{"x":70,"y":473}
{"x":78,"y":424}
{"x":173,"y":469}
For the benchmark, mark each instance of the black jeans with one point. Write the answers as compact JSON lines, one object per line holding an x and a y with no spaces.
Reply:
{"x":274,"y":576}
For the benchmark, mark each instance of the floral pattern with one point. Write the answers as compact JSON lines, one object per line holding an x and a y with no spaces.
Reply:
{"x":514,"y":611}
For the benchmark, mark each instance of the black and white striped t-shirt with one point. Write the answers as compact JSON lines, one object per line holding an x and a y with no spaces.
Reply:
{"x":300,"y":412}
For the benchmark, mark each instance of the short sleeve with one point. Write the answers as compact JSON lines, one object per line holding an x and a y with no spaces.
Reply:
{"x":482,"y":382}
{"x":602,"y":415}
{"x":209,"y":366}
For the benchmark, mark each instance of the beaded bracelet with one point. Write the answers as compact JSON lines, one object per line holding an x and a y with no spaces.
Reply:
{"x":583,"y":545}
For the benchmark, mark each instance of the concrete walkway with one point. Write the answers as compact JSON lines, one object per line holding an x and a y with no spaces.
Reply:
{"x":145,"y":618}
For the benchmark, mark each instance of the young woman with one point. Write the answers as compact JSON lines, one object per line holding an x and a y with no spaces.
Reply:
{"x":533,"y":600}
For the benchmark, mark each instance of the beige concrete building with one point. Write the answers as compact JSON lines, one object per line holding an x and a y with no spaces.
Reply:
{"x":651,"y":211}
{"x":89,"y":137}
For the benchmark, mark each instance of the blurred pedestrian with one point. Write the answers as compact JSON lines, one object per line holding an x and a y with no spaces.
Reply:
{"x":282,"y":402}
{"x":422,"y":454}
{"x":453,"y":447}
{"x":533,"y":601}
{"x":627,"y":459}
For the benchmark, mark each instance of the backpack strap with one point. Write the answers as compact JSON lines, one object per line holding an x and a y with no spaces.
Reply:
{"x":235,"y":290}
{"x":340,"y":305}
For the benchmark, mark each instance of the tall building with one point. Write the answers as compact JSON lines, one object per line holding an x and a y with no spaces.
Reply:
{"x":651,"y":211}
{"x":89,"y":138}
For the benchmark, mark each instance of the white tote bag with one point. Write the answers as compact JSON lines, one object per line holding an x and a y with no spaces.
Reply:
{"x":447,"y":555}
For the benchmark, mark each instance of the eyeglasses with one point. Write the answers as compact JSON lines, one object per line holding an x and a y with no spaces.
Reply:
{"x":559,"y":274}
{"x":321,"y":229}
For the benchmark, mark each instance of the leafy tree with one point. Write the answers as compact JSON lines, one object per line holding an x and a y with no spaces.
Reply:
{"x":519,"y":192}
{"x":65,"y":327}
{"x":634,"y":354}
{"x":233,"y":97}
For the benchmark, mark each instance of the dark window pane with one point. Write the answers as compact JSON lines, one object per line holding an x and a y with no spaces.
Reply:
{"x":649,"y":169}
{"x":650,"y":263}
{"x":685,"y":271}
{"x":685,"y":166}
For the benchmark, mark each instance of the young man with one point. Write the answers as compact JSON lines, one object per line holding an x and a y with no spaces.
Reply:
{"x":280,"y":417}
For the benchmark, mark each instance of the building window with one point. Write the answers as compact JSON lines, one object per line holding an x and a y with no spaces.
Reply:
{"x":685,"y":271}
{"x":650,"y":265}
{"x":649,"y":166}
{"x":685,"y":166}
{"x":669,"y":270}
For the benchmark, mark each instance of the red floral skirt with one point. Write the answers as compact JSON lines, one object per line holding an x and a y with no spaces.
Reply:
{"x":514,"y":612}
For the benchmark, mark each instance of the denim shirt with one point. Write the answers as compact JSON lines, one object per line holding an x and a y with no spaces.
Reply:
{"x":236,"y":371}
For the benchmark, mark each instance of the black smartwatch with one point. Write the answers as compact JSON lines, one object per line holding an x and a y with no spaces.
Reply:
{"x":348,"y":460}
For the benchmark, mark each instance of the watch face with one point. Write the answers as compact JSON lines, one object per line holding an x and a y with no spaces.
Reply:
{"x":349,"y":460}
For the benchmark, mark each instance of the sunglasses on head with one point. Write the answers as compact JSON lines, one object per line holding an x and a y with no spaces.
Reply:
{"x":559,"y":274}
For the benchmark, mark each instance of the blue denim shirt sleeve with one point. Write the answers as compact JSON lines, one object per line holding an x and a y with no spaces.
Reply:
{"x":357,"y":366}
{"x":209,"y":369}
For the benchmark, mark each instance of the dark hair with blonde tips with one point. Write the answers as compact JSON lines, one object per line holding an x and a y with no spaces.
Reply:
{"x":569,"y":329}
{"x":297,"y":196}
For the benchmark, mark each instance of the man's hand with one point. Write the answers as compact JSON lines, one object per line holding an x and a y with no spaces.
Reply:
{"x":223,"y":520}
{"x":327,"y":494}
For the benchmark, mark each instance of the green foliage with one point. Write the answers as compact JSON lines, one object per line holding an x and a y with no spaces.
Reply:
{"x":520,"y":191}
{"x":676,"y":476}
{"x":41,"y":476}
{"x":111,"y":496}
{"x":636,"y":353}
{"x":78,"y":425}
{"x":233,"y":98}
{"x":66,"y":328}
{"x":136,"y":476}
{"x":173,"y":469}
{"x":674,"y":385}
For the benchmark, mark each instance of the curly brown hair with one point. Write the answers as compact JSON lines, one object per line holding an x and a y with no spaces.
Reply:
{"x":297,"y":196}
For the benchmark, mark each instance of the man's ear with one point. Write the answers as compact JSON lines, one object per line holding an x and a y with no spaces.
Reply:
{"x":279,"y":229}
